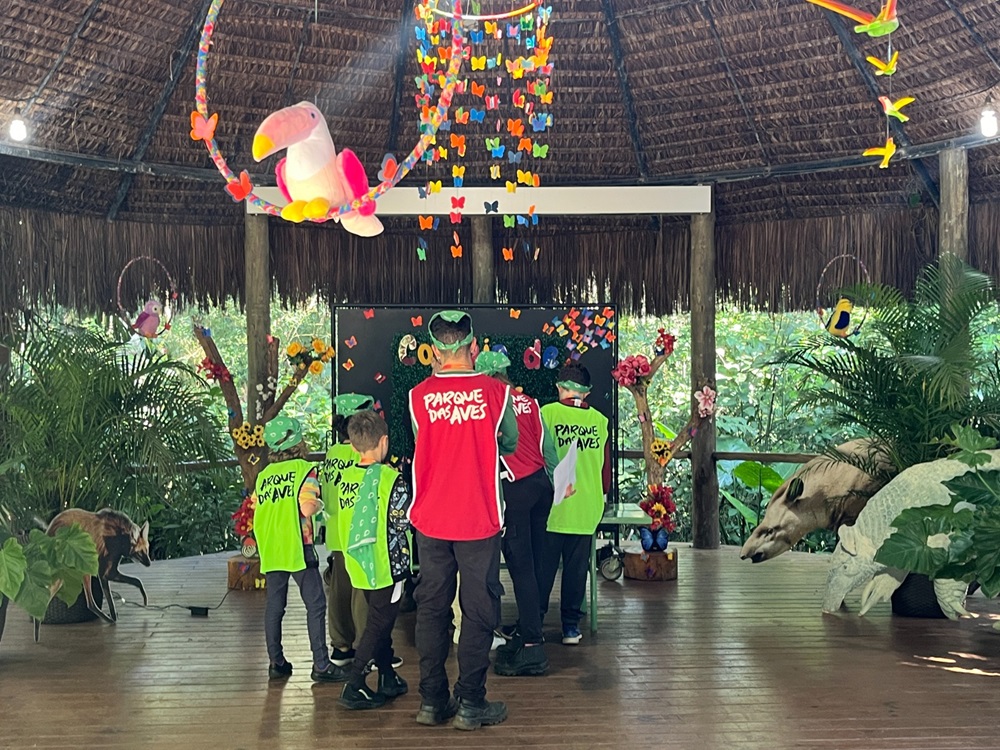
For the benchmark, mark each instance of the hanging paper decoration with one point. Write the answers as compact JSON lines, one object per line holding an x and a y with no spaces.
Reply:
{"x":154,"y":320}
{"x":838,"y":321}
{"x":506,"y":87}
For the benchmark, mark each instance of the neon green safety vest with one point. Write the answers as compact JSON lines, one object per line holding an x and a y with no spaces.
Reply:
{"x":338,"y":458}
{"x":276,"y":524}
{"x":581,"y":512}
{"x":347,"y":489}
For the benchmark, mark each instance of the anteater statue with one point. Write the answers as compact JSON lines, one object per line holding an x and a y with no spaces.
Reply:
{"x":822,"y":494}
{"x":853,"y":564}
{"x":115,"y":536}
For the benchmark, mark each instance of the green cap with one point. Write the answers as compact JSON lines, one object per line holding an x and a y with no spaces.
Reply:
{"x":569,"y":385}
{"x":452,"y":316}
{"x":349,"y":404}
{"x":282,"y":433}
{"x":490,"y":363}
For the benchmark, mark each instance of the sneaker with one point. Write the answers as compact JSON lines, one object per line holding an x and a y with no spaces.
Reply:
{"x":432,"y":714}
{"x":332,"y":673}
{"x":392,"y":685}
{"x":279,"y":671}
{"x":397,"y":662}
{"x":525,"y":661}
{"x":342,"y":658}
{"x":571,"y":635}
{"x":474,"y":714}
{"x":360,"y":698}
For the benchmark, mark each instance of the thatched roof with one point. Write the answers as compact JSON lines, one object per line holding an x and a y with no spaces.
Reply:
{"x":647,"y":91}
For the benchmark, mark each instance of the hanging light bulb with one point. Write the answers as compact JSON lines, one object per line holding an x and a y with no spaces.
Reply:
{"x":18,"y":130}
{"x":988,"y":125}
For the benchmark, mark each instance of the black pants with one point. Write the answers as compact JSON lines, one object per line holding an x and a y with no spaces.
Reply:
{"x":479,"y":563}
{"x":528,"y":502}
{"x":574,"y":551}
{"x":376,"y":640}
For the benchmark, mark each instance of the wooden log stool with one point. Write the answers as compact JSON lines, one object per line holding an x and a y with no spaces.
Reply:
{"x":244,"y":573}
{"x":650,"y":566}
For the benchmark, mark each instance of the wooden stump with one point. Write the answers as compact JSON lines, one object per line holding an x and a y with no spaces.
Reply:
{"x":244,"y":574}
{"x":651,"y":566}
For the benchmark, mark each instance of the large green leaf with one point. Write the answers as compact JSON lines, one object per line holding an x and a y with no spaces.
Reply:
{"x":981,"y":488}
{"x":907,"y":547}
{"x":72,"y":586}
{"x":987,"y":544}
{"x":13,"y":565}
{"x":75,"y":550}
{"x":748,"y":514}
{"x":34,"y":597}
{"x":756,"y":475}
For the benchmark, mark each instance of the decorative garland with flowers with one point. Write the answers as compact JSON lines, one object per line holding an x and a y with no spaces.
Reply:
{"x":634,"y":374}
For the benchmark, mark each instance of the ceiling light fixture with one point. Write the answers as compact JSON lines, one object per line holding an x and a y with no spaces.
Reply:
{"x":19,"y":131}
{"x":988,"y":125}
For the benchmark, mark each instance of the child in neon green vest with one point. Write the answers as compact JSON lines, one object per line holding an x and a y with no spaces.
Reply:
{"x":347,"y":610}
{"x":374,"y":501}
{"x":573,"y":521}
{"x":286,"y":497}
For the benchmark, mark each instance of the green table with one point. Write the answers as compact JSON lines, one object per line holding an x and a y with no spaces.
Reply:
{"x":622,"y":514}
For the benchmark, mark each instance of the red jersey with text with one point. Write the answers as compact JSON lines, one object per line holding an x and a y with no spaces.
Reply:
{"x":456,"y":460}
{"x":527,"y":459}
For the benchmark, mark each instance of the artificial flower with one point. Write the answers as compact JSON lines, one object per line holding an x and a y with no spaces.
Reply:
{"x":665,"y":343}
{"x":706,"y":402}
{"x":318,"y":346}
{"x":294,"y":349}
{"x":316,"y":367}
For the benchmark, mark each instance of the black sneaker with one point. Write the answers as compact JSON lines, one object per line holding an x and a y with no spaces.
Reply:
{"x":397,"y":662}
{"x":526,"y":660}
{"x":279,"y":671}
{"x":342,"y":658}
{"x":432,"y":714}
{"x":332,"y":673}
{"x":360,"y":698}
{"x":472,"y":715}
{"x":391,"y":685}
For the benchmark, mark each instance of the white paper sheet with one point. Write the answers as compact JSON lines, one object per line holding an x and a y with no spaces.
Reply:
{"x":564,"y":474}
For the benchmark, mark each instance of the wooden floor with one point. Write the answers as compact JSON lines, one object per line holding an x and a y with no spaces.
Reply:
{"x":729,"y":656}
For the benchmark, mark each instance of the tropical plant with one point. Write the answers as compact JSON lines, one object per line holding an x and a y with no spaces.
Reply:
{"x":960,"y":540}
{"x":921,"y":364}
{"x":90,"y":421}
{"x":36,"y":571}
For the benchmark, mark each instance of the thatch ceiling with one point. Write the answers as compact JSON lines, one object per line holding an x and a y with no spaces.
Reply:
{"x":716,"y":86}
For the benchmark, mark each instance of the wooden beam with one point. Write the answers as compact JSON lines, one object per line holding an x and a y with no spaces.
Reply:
{"x":704,"y":482}
{"x":861,"y":66}
{"x":405,"y":25}
{"x":628,"y":102}
{"x":257,"y":288}
{"x":484,"y":277}
{"x":953,"y":232}
{"x":976,"y":36}
{"x":146,"y":137}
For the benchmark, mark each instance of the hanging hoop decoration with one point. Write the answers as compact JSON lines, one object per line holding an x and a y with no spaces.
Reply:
{"x":155,"y":318}
{"x":240,"y":188}
{"x":837,"y":320}
{"x":530,"y":7}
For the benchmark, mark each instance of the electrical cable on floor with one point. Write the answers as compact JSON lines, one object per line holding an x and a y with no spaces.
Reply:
{"x":195,"y":610}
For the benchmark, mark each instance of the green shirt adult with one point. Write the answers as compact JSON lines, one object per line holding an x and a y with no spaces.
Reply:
{"x":339,"y":457}
{"x":276,"y":521}
{"x":581,"y":512}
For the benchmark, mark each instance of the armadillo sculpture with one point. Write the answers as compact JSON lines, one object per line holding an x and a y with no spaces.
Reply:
{"x":853,"y":564}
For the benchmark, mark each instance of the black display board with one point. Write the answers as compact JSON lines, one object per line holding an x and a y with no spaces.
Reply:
{"x":384,"y":351}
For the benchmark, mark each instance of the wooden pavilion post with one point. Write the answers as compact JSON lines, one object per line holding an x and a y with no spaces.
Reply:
{"x":953,"y":231}
{"x":484,"y":284}
{"x":705,"y":483}
{"x":257,"y":285}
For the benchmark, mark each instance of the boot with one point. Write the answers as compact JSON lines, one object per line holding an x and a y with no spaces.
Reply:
{"x":526,"y":660}
{"x":391,"y":685}
{"x":432,"y":714}
{"x":474,"y":714}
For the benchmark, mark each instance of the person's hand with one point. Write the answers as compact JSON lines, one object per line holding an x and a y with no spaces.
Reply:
{"x":570,"y":490}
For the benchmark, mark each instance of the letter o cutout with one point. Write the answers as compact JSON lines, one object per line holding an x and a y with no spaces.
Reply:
{"x":424,"y":354}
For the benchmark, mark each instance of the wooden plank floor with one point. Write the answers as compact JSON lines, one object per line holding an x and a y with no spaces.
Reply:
{"x":729,"y":656}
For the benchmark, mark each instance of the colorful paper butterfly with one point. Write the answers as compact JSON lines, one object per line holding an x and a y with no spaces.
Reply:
{"x":508,"y":221}
{"x":457,"y":171}
{"x":456,"y":251}
{"x":461,"y":116}
{"x":456,"y":217}
{"x":541,"y":121}
{"x":493,"y":28}
{"x":524,"y":144}
{"x":492,"y":208}
{"x":518,"y":98}
{"x":492,"y":102}
{"x":477,"y":115}
{"x":527,"y":23}
{"x":513,"y":30}
{"x":428,"y":222}
{"x":494,"y":61}
{"x":458,"y":142}
{"x":202,"y":129}
{"x":514,"y":158}
{"x":476,"y":36}
{"x":479,"y":63}
{"x":514,"y":313}
{"x":389,"y":168}
{"x":240,"y":189}
{"x":508,"y":253}
{"x":458,"y":202}
{"x":545,"y":98}
{"x":515,"y":127}
{"x":478,"y":89}
{"x":539,"y":151}
{"x":511,"y":187}
{"x":495,"y":171}
{"x":434,"y":186}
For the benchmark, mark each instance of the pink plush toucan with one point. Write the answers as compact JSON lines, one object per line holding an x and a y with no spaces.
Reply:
{"x":313,"y":176}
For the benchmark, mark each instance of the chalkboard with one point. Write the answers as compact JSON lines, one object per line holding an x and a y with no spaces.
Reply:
{"x":384,"y":352}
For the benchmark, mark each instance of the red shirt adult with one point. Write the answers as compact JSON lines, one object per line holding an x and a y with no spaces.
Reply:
{"x":457,"y":416}
{"x":528,"y":458}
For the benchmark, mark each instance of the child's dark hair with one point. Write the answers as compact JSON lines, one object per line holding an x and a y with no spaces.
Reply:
{"x":575,"y":373}
{"x":340,"y":428}
{"x":365,"y":429}
{"x":449,"y":333}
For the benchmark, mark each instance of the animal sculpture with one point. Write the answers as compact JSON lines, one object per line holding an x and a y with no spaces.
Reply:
{"x":853,"y":564}
{"x":148,"y":322}
{"x":821,"y":494}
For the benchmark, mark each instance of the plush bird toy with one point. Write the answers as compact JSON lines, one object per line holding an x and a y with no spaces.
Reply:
{"x":839,"y":322}
{"x":313,"y":177}
{"x":148,"y":322}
